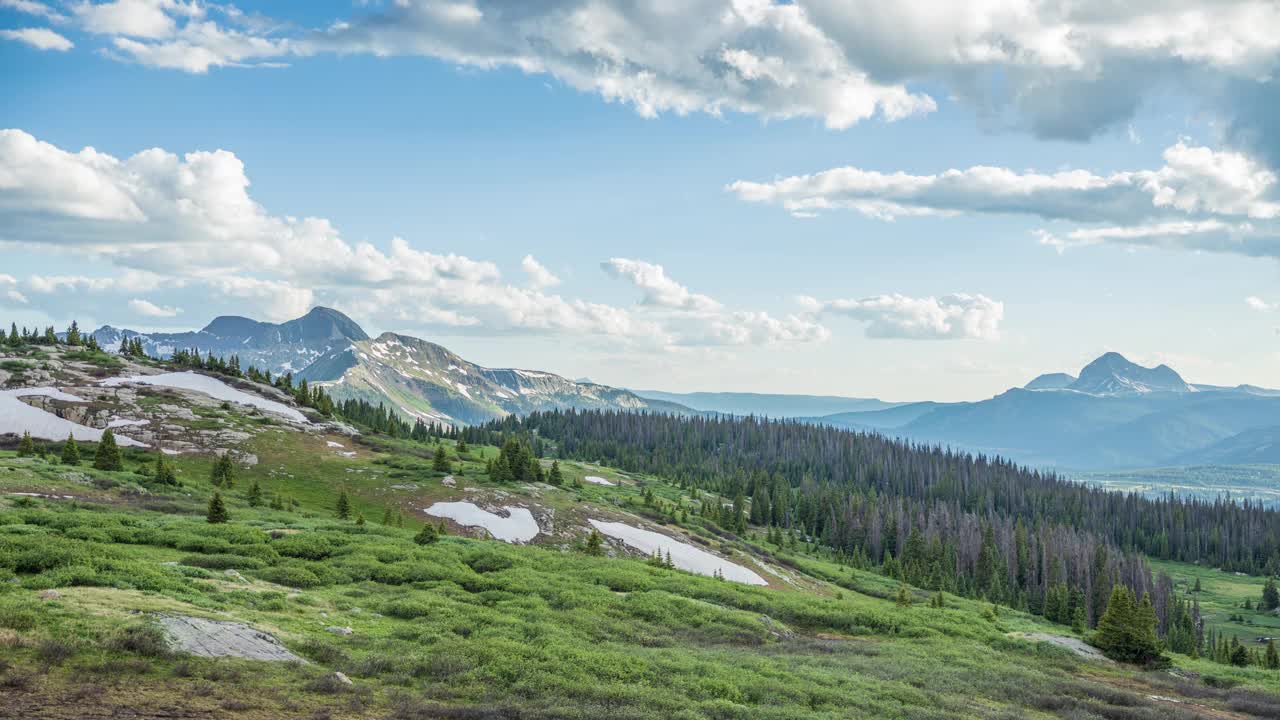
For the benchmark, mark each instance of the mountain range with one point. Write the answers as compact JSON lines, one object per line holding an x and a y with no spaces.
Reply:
{"x":419,"y":379}
{"x":1113,"y":414}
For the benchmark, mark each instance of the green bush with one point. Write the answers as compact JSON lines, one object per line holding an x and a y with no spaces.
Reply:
{"x":307,"y":546}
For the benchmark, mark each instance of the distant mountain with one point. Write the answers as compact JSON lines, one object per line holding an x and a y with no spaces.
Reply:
{"x":1115,"y":414}
{"x":1252,"y":447}
{"x":1113,"y":374}
{"x":771,"y":405}
{"x":415,"y":377}
{"x":280,"y":348}
{"x":1051,"y":381}
{"x":423,"y":379}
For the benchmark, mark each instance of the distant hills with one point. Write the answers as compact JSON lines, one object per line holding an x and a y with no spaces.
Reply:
{"x":1114,"y":414}
{"x":411,"y":376}
{"x":770,"y":405}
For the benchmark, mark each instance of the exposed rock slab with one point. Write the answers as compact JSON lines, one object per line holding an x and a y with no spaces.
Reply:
{"x":220,"y":638}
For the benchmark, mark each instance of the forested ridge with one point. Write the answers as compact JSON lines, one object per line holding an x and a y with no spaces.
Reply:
{"x":937,"y":518}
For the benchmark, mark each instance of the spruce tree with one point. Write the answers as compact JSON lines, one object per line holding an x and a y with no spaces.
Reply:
{"x":254,"y":497}
{"x":108,"y":455}
{"x":165,"y":474}
{"x":70,"y":451}
{"x":427,"y":535}
{"x":343,"y":507}
{"x":595,"y":543}
{"x":217,"y":509}
{"x":223,"y":473}
{"x":1272,"y":659}
{"x":1270,"y":596}
{"x":387,"y":518}
{"x":359,"y":519}
{"x":26,"y":446}
{"x":904,"y":596}
{"x":1126,"y":632}
{"x":440,"y":463}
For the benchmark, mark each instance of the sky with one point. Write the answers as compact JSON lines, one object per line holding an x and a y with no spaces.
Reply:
{"x":908,"y":202}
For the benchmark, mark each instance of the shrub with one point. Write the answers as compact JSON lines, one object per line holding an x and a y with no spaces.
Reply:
{"x":222,"y":561}
{"x":291,"y":576}
{"x":55,"y":651}
{"x":142,"y":639}
{"x":307,"y":546}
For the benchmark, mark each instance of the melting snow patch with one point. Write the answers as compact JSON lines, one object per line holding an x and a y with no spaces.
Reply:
{"x":18,"y":417}
{"x":331,"y":443}
{"x":125,"y":422}
{"x":596,"y":480}
{"x":211,"y":387}
{"x":685,"y":557}
{"x":349,"y":453}
{"x":518,"y":527}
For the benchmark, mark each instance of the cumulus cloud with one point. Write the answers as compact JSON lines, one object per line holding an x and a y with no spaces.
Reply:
{"x":656,"y":287}
{"x":958,"y":316}
{"x":1200,"y":198}
{"x":39,"y":38}
{"x":9,"y":286}
{"x":1060,"y":68}
{"x":1256,"y":303}
{"x":539,"y":276}
{"x":31,"y":7}
{"x":150,"y":309}
{"x":167,"y":221}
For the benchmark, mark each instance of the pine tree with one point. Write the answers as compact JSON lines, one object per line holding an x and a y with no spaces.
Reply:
{"x":462,"y":446}
{"x":904,"y":596}
{"x":73,"y":334}
{"x":254,"y":497}
{"x":165,"y":474}
{"x":359,"y":519}
{"x":1270,"y":596}
{"x":223,"y":472}
{"x":440,"y":463}
{"x":343,"y":508}
{"x":70,"y":451}
{"x":1197,"y":587}
{"x":26,"y":446}
{"x":387,"y":518}
{"x":217,"y":510}
{"x":1126,"y":631}
{"x":555,"y":477}
{"x":1272,"y":659}
{"x":595,"y":543}
{"x":427,"y":535}
{"x":108,"y":455}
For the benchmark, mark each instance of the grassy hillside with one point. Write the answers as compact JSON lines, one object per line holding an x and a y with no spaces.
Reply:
{"x":471,"y":627}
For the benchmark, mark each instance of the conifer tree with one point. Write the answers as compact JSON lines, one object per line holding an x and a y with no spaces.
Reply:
{"x":462,"y":446}
{"x":1272,"y":659}
{"x":904,"y":596}
{"x":440,"y":463}
{"x":108,"y":455}
{"x":343,"y":507}
{"x":254,"y":496}
{"x":70,"y":451}
{"x":1126,"y":631}
{"x":555,"y":477}
{"x":427,"y":535}
{"x":26,"y":446}
{"x":359,"y":519}
{"x":387,"y":518}
{"x":595,"y":543}
{"x":223,"y":472}
{"x":73,"y":334}
{"x":217,"y":510}
{"x":1270,"y":596}
{"x":165,"y":474}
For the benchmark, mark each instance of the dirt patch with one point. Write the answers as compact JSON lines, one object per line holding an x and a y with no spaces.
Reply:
{"x":220,"y":638}
{"x":1075,"y":645}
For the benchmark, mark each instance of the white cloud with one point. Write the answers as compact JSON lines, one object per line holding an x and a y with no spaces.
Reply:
{"x":31,"y":7}
{"x":39,"y":38}
{"x":539,"y":276}
{"x":1199,"y":199}
{"x":1061,"y":68}
{"x":8,"y":284}
{"x":167,"y":221}
{"x":656,"y":287}
{"x":958,"y":316}
{"x":1257,"y":303}
{"x":150,"y":309}
{"x":1192,"y":180}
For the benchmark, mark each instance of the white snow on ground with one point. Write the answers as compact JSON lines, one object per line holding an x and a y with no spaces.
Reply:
{"x":349,"y":453}
{"x":462,"y":389}
{"x":125,"y":422}
{"x":685,"y":557}
{"x":596,"y":480}
{"x":211,"y":387}
{"x":518,"y":527}
{"x":18,"y":417}
{"x":331,"y":443}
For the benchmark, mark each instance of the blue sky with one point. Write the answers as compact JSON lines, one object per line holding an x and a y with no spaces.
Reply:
{"x":436,"y":124}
